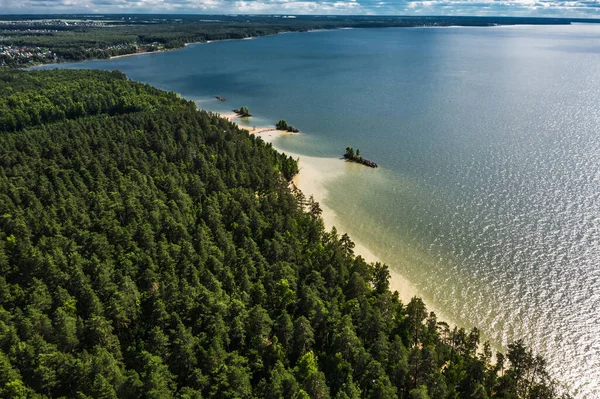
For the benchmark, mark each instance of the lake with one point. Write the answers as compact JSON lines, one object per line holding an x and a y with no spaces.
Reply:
{"x":487,"y":198}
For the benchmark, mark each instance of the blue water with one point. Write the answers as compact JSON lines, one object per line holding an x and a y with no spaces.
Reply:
{"x":488,"y":195}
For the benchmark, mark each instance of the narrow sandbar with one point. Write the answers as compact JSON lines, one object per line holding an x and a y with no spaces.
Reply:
{"x":114,"y":57}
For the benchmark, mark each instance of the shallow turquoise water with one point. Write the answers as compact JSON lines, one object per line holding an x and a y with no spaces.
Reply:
{"x":488,"y":198}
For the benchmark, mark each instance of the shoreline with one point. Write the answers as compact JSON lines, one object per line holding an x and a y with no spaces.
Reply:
{"x":191,"y":43}
{"x":114,"y":57}
{"x":313,"y":175}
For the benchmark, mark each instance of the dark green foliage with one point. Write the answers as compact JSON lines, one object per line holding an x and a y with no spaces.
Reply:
{"x":243,"y":112}
{"x":353,"y":156}
{"x":63,"y":98}
{"x":153,"y":250}
{"x":349,"y":153}
{"x":282,"y":125}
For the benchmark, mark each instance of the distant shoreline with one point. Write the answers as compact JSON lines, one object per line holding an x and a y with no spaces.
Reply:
{"x":189,"y":44}
{"x":114,"y":57}
{"x":309,"y":31}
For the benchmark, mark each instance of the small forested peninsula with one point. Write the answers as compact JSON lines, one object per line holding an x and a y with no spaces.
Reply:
{"x":354,"y":156}
{"x":151,"y":250}
{"x":282,"y":125}
{"x":243,"y":112}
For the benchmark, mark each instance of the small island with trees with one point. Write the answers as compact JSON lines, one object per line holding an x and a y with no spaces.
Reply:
{"x":243,"y":112}
{"x":353,"y":156}
{"x":282,"y":125}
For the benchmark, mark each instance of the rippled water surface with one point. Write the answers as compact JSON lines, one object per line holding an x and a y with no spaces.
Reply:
{"x":488,"y":198}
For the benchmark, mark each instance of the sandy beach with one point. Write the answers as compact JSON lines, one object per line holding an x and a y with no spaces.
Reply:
{"x":152,"y":52}
{"x":138,"y":53}
{"x":233,"y":117}
{"x":314,"y":174}
{"x":312,"y":178}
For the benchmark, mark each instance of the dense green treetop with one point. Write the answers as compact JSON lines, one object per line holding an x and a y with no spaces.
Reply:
{"x":282,"y":125}
{"x":63,"y":97}
{"x":243,"y":112}
{"x":354,"y":156}
{"x":151,"y":250}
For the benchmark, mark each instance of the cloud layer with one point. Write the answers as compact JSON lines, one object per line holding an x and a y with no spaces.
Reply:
{"x":575,"y":8}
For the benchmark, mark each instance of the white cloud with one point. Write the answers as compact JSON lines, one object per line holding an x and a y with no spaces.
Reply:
{"x":572,"y":8}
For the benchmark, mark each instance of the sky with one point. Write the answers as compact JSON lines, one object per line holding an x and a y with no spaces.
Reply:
{"x":550,"y":8}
